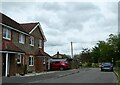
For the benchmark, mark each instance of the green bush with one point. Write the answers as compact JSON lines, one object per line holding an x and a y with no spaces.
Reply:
{"x":118,"y":63}
{"x":23,"y":70}
{"x":117,"y":70}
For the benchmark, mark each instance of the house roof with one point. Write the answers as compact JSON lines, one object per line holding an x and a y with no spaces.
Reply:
{"x":28,"y":26}
{"x":25,"y":28}
{"x":10,"y":22}
{"x":46,"y":54}
{"x":9,"y":46}
{"x":57,"y":56}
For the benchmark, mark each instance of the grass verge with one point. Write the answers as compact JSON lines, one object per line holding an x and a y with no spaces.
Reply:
{"x":117,"y":70}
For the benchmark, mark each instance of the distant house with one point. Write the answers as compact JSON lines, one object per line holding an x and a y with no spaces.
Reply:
{"x":21,"y":45}
{"x":60,"y":56}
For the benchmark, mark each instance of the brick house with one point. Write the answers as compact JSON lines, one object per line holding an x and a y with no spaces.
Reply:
{"x":21,"y":44}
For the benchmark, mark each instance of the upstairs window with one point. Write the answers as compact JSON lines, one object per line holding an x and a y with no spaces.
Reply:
{"x":40,"y":43}
{"x":7,"y":34}
{"x":21,"y":38}
{"x":32,"y":41}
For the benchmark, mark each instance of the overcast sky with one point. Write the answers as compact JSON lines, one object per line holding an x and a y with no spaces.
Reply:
{"x":83,"y":23}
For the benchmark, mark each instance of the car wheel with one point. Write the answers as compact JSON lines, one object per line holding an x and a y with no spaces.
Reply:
{"x":61,"y":68}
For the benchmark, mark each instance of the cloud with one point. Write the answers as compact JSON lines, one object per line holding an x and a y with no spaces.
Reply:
{"x":83,"y":23}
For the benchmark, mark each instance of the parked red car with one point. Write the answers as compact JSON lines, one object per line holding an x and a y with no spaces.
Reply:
{"x":59,"y":64}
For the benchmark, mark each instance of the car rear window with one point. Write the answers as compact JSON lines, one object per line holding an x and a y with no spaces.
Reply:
{"x":106,"y":64}
{"x":55,"y":62}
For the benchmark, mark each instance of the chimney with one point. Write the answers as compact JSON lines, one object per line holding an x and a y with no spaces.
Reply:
{"x":58,"y":54}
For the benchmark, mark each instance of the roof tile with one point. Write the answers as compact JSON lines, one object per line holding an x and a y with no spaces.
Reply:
{"x":10,"y":22}
{"x":28,"y":26}
{"x":9,"y":46}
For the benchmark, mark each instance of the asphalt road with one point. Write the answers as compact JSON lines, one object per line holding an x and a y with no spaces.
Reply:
{"x":27,"y":79}
{"x":93,"y":75}
{"x":88,"y":75}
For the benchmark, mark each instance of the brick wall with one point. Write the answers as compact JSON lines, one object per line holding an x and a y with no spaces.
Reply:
{"x":37,"y":34}
{"x":0,"y":49}
{"x":30,"y":50}
{"x":0,"y":64}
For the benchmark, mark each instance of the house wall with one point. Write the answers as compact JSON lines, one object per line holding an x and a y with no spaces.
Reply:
{"x":26,"y":47}
{"x":0,"y":64}
{"x":37,"y":34}
{"x":30,"y":50}
{"x":38,"y":59}
{"x":0,"y":49}
{"x":0,"y":37}
{"x":13,"y":66}
{"x":57,"y":56}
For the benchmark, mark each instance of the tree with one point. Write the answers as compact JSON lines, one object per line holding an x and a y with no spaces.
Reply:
{"x":95,"y":54}
{"x":114,"y":41}
{"x":106,"y":50}
{"x":85,"y":56}
{"x":66,"y":56}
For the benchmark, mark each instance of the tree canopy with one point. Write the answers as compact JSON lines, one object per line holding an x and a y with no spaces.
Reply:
{"x":103,"y":51}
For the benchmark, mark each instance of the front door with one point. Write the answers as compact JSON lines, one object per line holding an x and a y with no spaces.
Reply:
{"x":3,"y":64}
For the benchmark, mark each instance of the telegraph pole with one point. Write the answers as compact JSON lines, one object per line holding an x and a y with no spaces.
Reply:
{"x":71,"y":49}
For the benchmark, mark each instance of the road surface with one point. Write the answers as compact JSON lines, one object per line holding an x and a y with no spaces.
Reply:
{"x":93,"y":75}
{"x":82,"y":75}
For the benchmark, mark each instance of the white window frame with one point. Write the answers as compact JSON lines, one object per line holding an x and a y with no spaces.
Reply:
{"x":31,"y":41}
{"x":8,"y":33}
{"x":19,"y":57}
{"x":22,"y":38}
{"x":40,"y":43}
{"x":31,"y":61}
{"x":44,"y":60}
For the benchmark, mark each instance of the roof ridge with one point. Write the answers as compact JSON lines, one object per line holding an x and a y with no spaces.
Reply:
{"x":9,"y":17}
{"x":29,"y":23}
{"x":20,"y":28}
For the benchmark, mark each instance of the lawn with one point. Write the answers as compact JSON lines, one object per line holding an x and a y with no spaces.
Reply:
{"x":117,"y":70}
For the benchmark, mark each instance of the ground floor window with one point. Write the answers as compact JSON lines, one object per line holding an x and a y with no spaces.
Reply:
{"x":31,"y":60}
{"x":44,"y":59}
{"x":18,"y":58}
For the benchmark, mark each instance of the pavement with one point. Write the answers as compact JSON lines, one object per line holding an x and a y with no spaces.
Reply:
{"x":49,"y":72}
{"x":35,"y":74}
{"x":38,"y":76}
